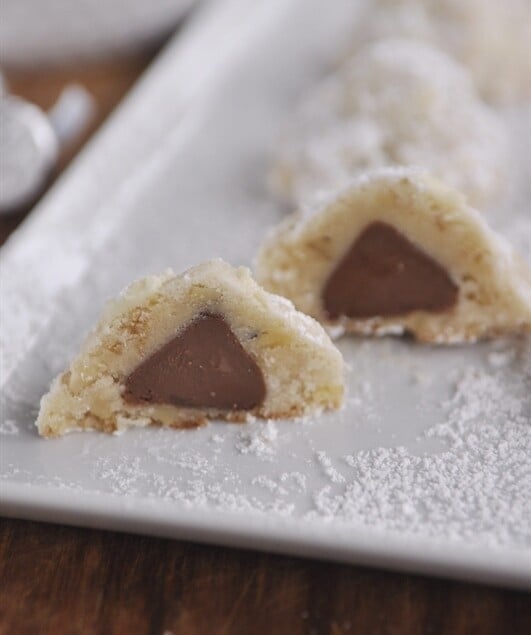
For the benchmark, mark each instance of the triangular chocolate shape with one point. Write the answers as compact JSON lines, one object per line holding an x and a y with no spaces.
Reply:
{"x":384,"y":274}
{"x":204,"y":366}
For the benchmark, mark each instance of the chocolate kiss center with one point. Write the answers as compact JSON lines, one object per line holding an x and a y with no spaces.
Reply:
{"x":203,"y":366}
{"x":384,"y":274}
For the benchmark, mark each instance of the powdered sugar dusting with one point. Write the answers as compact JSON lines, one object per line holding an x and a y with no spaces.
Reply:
{"x":326,"y":464}
{"x":122,"y":473}
{"x":477,"y":489}
{"x":258,"y":439}
{"x":8,"y":427}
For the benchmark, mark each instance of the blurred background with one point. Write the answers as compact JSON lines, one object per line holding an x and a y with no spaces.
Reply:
{"x":59,"y":32}
{"x":72,"y":62}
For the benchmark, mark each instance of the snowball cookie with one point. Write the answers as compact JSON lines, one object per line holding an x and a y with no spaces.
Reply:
{"x":490,"y":37}
{"x":397,"y":102}
{"x":398,"y":251}
{"x":178,"y":350}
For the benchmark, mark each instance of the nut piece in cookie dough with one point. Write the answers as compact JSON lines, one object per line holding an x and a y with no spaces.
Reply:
{"x":396,"y":103}
{"x":398,"y":251}
{"x":207,"y":344}
{"x":489,"y":37}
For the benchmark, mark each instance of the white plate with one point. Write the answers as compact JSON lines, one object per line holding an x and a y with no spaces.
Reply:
{"x":427,"y":467}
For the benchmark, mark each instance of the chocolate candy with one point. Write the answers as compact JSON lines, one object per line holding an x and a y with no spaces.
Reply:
{"x":203,"y":366}
{"x":384,"y":274}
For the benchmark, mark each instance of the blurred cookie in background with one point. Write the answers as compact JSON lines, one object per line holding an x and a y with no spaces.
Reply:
{"x":490,"y":37}
{"x":398,"y":102}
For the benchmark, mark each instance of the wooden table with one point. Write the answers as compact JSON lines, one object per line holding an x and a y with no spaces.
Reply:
{"x":59,"y":580}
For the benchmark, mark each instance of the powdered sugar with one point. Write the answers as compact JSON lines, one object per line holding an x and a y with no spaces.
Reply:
{"x":326,"y":464}
{"x":477,"y":489}
{"x":8,"y":427}
{"x":257,"y":439}
{"x":122,"y":473}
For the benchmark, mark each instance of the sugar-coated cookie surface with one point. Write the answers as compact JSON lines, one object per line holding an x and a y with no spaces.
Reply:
{"x":491,"y":38}
{"x":396,"y":103}
{"x":178,"y":350}
{"x":398,"y":251}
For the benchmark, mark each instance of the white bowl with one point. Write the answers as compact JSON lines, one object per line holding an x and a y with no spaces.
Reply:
{"x":57,"y":31}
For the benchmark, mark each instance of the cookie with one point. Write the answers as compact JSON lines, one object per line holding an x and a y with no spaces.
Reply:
{"x":398,"y":252}
{"x":397,"y":103}
{"x":490,"y":38}
{"x":207,"y":344}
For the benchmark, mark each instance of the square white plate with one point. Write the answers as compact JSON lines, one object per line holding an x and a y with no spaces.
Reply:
{"x":427,"y":468}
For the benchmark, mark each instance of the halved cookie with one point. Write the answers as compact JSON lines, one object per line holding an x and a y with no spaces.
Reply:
{"x":398,"y":251}
{"x":178,"y":350}
{"x":396,"y":103}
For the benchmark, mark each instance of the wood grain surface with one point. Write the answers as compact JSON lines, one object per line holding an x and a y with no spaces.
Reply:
{"x":59,"y":580}
{"x":74,"y":581}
